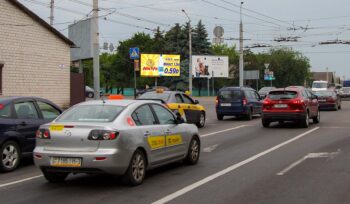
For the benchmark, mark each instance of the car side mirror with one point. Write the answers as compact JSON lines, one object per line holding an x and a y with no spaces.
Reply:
{"x":196,"y":102}
{"x":179,"y":119}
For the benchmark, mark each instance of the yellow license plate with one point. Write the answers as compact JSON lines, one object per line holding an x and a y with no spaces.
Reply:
{"x":57,"y":128}
{"x":65,"y":162}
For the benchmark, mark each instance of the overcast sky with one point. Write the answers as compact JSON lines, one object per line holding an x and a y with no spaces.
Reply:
{"x":313,"y":21}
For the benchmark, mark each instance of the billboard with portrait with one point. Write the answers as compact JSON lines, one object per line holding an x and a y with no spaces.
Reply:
{"x":156,"y":65}
{"x":207,"y":66}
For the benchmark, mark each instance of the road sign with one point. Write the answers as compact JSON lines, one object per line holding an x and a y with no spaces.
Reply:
{"x":134,"y":53}
{"x":267,"y":65}
{"x":269,"y":75}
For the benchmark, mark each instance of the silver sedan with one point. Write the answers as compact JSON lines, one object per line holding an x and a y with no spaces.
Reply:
{"x":120,"y":137}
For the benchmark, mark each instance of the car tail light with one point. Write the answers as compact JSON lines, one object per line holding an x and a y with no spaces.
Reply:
{"x":298,"y":101}
{"x":217,"y":101}
{"x":1,"y":106}
{"x":102,"y":135}
{"x":244,"y":101}
{"x":43,"y":134}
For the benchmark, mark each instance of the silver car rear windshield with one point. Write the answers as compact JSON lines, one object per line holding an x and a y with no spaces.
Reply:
{"x":280,"y":95}
{"x":91,"y":113}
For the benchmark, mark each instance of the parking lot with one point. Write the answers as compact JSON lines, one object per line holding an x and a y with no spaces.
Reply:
{"x":241,"y":162}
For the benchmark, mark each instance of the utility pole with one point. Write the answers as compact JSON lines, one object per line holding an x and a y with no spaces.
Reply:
{"x":190,"y":53}
{"x":327,"y":75}
{"x":241,"y":63}
{"x":96,"y":49}
{"x":52,"y":6}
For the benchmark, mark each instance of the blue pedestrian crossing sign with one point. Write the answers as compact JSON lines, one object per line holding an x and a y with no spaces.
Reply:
{"x":134,"y":53}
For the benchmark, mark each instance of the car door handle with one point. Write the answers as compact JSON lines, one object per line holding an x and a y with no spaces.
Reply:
{"x":146,"y":134}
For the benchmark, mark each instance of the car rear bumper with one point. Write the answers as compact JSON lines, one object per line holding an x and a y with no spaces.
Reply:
{"x":115,"y":162}
{"x":325,"y":106}
{"x":233,"y":111}
{"x":283,"y":116}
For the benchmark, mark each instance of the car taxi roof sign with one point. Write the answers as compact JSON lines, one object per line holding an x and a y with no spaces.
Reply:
{"x":160,"y":90}
{"x":115,"y":97}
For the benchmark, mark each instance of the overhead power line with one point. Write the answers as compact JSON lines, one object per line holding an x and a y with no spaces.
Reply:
{"x":234,"y":11}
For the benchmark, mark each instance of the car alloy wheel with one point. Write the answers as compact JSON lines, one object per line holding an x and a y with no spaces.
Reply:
{"x":193,"y":151}
{"x":306,"y":121}
{"x":201,"y":122}
{"x":138,"y":167}
{"x":10,"y":156}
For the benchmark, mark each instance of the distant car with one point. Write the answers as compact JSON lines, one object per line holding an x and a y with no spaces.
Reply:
{"x":344,"y":93}
{"x":290,"y":104}
{"x":20,"y":118}
{"x":188,"y":108}
{"x":90,"y":93}
{"x":320,"y":85}
{"x":328,"y":100}
{"x":120,"y":137}
{"x":154,"y":88}
{"x":265,"y":90}
{"x":237,"y":101}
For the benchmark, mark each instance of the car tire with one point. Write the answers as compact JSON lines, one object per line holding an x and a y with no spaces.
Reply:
{"x":201,"y":122}
{"x":193,"y":151}
{"x":90,"y":95}
{"x":339,"y":107}
{"x":265,"y":123}
{"x":317,"y":118}
{"x":137,"y":169}
{"x":305,"y":122}
{"x":219,"y":117}
{"x":54,"y":177}
{"x":249,"y":115}
{"x":336,"y":108}
{"x":10,"y":156}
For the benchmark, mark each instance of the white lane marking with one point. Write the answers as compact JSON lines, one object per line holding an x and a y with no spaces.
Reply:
{"x":20,"y":181}
{"x":214,"y":133}
{"x":227,"y":170}
{"x":309,"y":156}
{"x":210,"y":148}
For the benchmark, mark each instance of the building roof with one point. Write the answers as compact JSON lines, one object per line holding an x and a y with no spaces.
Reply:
{"x":317,"y":76}
{"x":41,"y":21}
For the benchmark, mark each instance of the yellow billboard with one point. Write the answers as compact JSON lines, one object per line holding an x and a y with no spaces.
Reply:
{"x":155,"y":65}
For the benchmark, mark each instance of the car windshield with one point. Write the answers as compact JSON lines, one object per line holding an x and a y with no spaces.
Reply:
{"x":91,"y":113}
{"x":229,"y":95}
{"x":156,"y":96}
{"x":319,"y":85}
{"x":324,"y":93}
{"x":280,"y":95}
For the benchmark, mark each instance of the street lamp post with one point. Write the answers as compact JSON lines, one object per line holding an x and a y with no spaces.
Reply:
{"x":190,"y":53}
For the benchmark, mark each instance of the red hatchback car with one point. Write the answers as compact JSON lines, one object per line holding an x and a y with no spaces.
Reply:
{"x":290,"y":104}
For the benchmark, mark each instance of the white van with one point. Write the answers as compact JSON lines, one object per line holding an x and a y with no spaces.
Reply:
{"x":319,"y":86}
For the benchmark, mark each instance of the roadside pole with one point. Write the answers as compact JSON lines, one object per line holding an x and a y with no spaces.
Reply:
{"x":96,"y":50}
{"x":208,"y":82}
{"x":134,"y":53}
{"x":213,"y":79}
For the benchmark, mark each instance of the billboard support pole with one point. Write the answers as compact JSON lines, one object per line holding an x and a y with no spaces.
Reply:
{"x":156,"y":82}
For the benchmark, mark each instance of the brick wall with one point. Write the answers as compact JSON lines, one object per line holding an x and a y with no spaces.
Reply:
{"x":36,"y":62}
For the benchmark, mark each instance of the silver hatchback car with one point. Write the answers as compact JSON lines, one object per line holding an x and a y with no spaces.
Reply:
{"x":120,"y":137}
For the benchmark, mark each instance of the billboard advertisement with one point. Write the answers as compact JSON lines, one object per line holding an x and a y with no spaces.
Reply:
{"x":206,"y":66}
{"x":156,"y":65}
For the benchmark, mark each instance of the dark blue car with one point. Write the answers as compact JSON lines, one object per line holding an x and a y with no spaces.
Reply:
{"x":20,"y":118}
{"x":238,"y":101}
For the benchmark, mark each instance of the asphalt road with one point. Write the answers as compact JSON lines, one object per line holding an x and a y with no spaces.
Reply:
{"x":241,"y":162}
